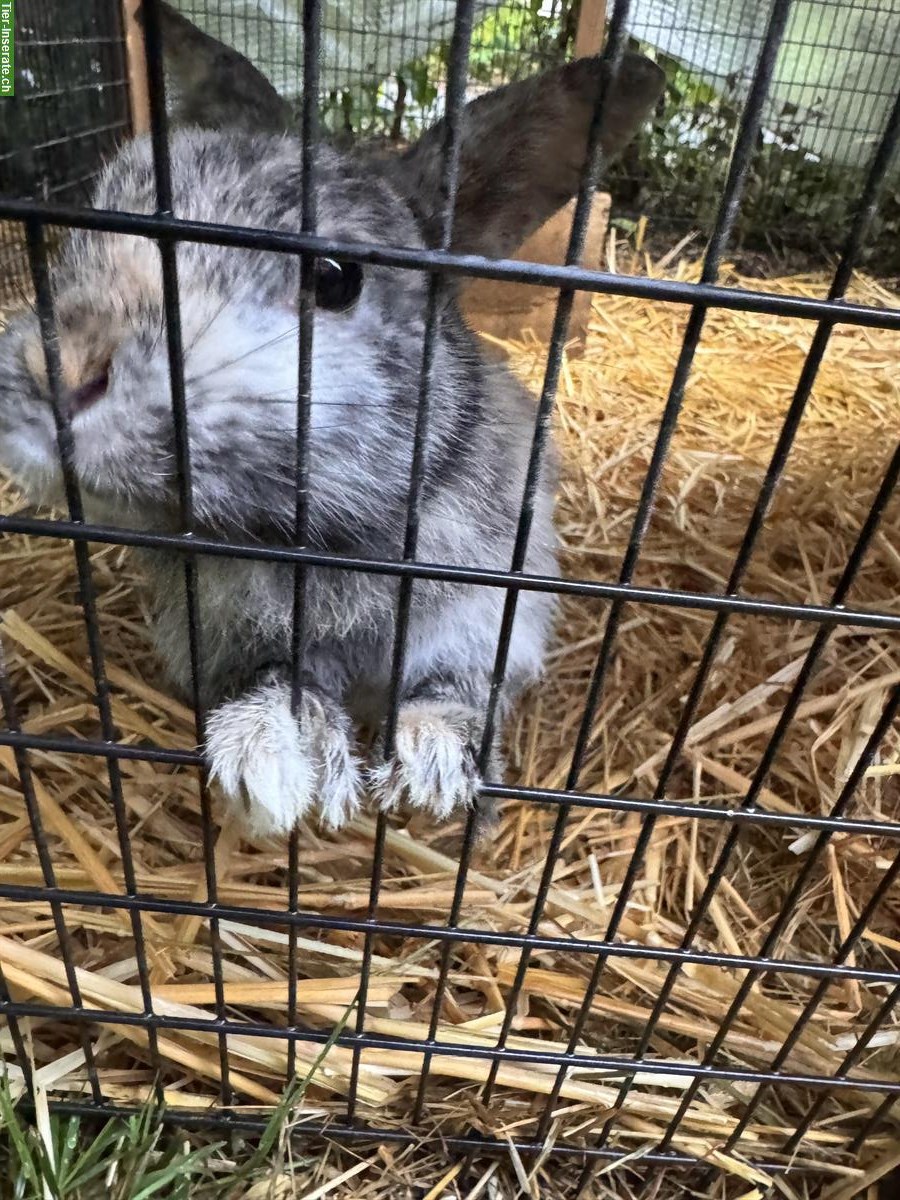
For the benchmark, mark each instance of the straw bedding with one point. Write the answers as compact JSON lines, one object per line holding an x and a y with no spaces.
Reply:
{"x":609,"y":406}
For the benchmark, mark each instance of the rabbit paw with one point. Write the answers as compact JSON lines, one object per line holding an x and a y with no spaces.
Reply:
{"x":434,"y":763}
{"x":277,"y":766}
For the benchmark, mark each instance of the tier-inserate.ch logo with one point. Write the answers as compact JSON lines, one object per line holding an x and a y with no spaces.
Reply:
{"x":7,"y":48}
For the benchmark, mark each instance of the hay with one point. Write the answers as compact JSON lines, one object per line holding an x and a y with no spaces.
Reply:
{"x":609,"y":405}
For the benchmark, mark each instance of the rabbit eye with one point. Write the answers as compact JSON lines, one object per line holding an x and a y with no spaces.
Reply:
{"x":337,"y":284}
{"x":83,"y":397}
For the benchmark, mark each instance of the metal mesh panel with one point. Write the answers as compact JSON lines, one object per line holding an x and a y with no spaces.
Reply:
{"x":388,"y":78}
{"x":831,"y":92}
{"x":70,"y":109}
{"x":821,"y":620}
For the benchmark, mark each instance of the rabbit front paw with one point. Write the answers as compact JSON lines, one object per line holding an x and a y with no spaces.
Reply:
{"x":277,"y":766}
{"x":434,"y":761}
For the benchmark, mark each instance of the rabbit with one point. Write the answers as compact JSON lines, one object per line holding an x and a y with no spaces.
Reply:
{"x":521,"y":153}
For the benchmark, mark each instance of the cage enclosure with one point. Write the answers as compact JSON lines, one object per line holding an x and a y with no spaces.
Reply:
{"x":671,"y":966}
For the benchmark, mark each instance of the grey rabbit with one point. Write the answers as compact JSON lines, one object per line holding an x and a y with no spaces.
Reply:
{"x":522,"y":148}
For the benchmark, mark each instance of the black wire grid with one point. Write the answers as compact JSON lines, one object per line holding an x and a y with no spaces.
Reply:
{"x":811,"y":112}
{"x":70,"y":110}
{"x":72,"y":103}
{"x":167,"y":229}
{"x":816,"y":121}
{"x":413,"y":94}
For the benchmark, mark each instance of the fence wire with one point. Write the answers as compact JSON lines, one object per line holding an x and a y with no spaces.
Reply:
{"x":52,"y":209}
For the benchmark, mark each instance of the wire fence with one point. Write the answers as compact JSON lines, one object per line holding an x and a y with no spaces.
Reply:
{"x":70,"y":111}
{"x":386,"y":78}
{"x":189,"y":542}
{"x":384,"y":68}
{"x":832,"y":89}
{"x":831,"y":92}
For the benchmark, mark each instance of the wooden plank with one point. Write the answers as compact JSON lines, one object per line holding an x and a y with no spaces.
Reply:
{"x":591,"y":28}
{"x":138,"y":90}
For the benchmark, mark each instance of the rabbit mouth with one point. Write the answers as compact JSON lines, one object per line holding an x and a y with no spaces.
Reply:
{"x":84,"y":397}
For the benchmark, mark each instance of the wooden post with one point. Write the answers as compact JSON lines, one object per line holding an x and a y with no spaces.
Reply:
{"x":136,"y":59}
{"x":591,"y":28}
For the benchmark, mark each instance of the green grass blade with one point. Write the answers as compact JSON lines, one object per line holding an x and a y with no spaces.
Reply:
{"x":293,"y":1094}
{"x":68,"y":1136}
{"x":9,"y":1120}
{"x":101,"y":1152}
{"x":180,"y":1168}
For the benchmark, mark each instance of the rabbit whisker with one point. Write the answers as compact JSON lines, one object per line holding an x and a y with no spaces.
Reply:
{"x":288,"y":333}
{"x":325,"y":403}
{"x":206,"y":326}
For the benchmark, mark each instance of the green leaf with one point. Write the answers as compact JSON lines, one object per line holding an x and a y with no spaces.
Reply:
{"x":99,"y":1154}
{"x":293,"y":1094}
{"x":181,"y":1167}
{"x":9,"y":1120}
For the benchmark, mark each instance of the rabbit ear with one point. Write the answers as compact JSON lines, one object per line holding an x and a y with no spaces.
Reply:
{"x":522,"y":151}
{"x":211,"y":84}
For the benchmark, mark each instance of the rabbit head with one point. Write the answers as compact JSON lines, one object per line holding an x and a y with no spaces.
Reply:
{"x":522,"y":149}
